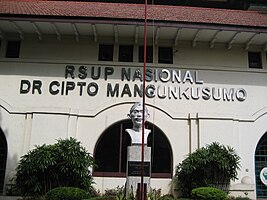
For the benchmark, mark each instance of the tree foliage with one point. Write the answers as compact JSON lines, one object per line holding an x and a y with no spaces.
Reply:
{"x":65,"y":163}
{"x":214,"y":165}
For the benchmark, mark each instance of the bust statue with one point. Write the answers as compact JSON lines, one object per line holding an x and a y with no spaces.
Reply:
{"x":136,"y":115}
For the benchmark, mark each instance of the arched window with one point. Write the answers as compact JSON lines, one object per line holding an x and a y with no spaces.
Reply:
{"x":3,"y":157}
{"x":260,"y":163}
{"x":111,"y":151}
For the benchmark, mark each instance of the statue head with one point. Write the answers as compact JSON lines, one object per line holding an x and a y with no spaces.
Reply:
{"x":136,"y":114}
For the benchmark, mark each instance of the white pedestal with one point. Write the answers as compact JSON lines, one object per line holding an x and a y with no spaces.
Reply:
{"x":133,"y":170}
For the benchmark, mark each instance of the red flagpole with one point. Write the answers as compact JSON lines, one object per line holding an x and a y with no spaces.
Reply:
{"x":144,"y":95}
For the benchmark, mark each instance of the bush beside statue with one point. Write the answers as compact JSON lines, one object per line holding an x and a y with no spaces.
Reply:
{"x":212,"y":166}
{"x":65,"y":163}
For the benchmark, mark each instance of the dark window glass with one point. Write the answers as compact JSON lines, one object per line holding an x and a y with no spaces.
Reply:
{"x":109,"y":155}
{"x":105,"y":52}
{"x":13,"y":49}
{"x":254,"y":60}
{"x":111,"y":151}
{"x":165,"y":55}
{"x":149,"y":54}
{"x":126,"y":53}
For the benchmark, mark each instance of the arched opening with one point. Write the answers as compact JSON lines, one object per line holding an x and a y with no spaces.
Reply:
{"x":111,"y":151}
{"x":261,"y":167}
{"x":3,"y":157}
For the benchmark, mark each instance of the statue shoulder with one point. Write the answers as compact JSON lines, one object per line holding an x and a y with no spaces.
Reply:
{"x":147,"y":131}
{"x":128,"y":130}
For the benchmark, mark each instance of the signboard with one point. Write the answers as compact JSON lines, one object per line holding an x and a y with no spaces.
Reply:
{"x":161,"y":83}
{"x":135,"y":167}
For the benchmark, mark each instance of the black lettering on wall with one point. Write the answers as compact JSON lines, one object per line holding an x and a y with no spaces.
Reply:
{"x":52,"y":86}
{"x":126,"y":91}
{"x":69,"y":86}
{"x":36,"y":85}
{"x":83,"y":72}
{"x":108,"y":71}
{"x":97,"y":76}
{"x":92,"y":89}
{"x":126,"y":74}
{"x":69,"y":70}
{"x":81,"y":85}
{"x":25,"y":86}
{"x":111,"y":92}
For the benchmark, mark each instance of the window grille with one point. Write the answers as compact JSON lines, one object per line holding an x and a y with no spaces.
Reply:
{"x":260,"y":163}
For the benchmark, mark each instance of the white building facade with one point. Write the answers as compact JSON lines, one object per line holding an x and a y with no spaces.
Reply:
{"x":69,"y":75}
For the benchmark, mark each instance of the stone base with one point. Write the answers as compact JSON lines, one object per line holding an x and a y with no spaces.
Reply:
{"x":133,"y":171}
{"x":242,"y":190}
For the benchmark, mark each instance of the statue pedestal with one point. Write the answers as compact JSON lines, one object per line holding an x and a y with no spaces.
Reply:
{"x":134,"y":168}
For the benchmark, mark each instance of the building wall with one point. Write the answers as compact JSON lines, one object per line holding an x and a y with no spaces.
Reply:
{"x":37,"y":116}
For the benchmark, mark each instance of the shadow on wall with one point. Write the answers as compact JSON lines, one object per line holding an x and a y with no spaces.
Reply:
{"x":7,"y":172}
{"x":3,"y":157}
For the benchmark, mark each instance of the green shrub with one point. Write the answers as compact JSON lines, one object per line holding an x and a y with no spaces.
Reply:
{"x":208,"y":193}
{"x":117,"y":193}
{"x":114,"y":191}
{"x":212,"y":166}
{"x":66,"y":163}
{"x":154,"y":194}
{"x":104,"y":198}
{"x":66,"y":193}
{"x":181,"y":198}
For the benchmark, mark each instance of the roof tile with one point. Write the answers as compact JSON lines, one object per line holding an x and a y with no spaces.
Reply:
{"x":132,"y":11}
